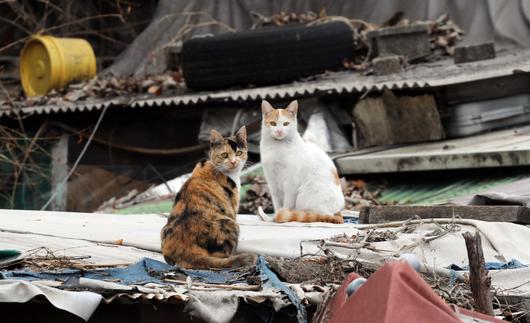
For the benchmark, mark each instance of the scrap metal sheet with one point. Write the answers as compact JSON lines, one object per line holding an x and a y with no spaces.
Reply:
{"x":495,"y":149}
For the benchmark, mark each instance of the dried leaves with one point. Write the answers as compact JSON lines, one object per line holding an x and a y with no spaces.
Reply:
{"x":285,"y":18}
{"x":358,"y":195}
{"x":112,"y":86}
{"x":444,"y":36}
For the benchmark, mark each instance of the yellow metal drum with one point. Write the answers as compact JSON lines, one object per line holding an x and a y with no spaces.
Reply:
{"x":48,"y":63}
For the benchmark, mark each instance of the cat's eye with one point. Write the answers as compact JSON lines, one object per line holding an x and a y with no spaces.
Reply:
{"x":273,"y":124}
{"x":239,"y":153}
{"x":224,"y":155}
{"x":286,"y":123}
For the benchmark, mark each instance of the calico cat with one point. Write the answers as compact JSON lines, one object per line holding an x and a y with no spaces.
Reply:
{"x":201,"y":231}
{"x":302,"y":179}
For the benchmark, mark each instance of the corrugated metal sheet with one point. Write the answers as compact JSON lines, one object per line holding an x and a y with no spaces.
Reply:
{"x":495,"y":149}
{"x":416,"y":76}
{"x":94,"y":104}
{"x":442,"y":191}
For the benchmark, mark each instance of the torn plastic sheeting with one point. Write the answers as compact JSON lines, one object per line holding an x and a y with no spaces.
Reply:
{"x":323,"y":125}
{"x":512,"y":264}
{"x":81,"y":304}
{"x":220,"y":306}
{"x":145,"y":271}
{"x":213,"y":306}
{"x":271,"y":280}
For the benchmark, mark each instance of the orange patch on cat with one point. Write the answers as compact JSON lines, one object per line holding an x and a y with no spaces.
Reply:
{"x":287,"y":114}
{"x":274,"y":115}
{"x":271,"y":117}
{"x":335,"y":175}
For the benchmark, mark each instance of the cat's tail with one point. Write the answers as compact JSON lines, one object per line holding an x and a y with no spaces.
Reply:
{"x":206,"y":261}
{"x":235,"y":261}
{"x":288,"y":215}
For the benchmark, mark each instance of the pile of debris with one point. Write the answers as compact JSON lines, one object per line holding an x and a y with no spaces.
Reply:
{"x":356,"y":194}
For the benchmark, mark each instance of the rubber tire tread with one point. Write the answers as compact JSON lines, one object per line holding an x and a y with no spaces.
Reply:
{"x":267,"y":56}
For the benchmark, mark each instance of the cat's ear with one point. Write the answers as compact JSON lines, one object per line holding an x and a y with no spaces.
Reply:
{"x":215,"y":137}
{"x":241,"y":136}
{"x":293,"y":107}
{"x":266,"y":107}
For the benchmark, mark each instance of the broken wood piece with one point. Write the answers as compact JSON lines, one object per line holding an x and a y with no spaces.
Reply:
{"x":390,"y":213}
{"x":83,"y":266}
{"x":220,"y":286}
{"x":479,"y":281}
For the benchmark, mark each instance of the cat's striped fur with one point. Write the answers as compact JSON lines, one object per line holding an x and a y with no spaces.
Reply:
{"x":288,"y":215}
{"x":202,"y":230}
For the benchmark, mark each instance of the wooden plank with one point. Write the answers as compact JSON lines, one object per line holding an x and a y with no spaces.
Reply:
{"x":505,"y":213}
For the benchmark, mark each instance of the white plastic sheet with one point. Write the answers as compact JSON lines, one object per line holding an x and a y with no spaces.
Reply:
{"x":500,"y":241}
{"x":82,"y":304}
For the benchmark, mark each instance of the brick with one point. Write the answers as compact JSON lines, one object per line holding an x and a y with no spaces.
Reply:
{"x":473,"y":53}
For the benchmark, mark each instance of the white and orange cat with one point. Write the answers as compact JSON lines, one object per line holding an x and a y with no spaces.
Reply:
{"x":302,"y":179}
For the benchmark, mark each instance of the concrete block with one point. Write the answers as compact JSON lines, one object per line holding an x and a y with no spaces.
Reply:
{"x":473,"y":53}
{"x":390,"y":120}
{"x":387,"y":64}
{"x":409,"y":41}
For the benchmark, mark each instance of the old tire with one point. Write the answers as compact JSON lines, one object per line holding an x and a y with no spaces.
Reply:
{"x":267,"y":56}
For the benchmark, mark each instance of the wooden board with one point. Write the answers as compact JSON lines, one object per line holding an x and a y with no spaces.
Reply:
{"x":383,"y":214}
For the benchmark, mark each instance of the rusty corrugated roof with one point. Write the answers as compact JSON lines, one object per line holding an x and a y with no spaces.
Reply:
{"x":425,"y":75}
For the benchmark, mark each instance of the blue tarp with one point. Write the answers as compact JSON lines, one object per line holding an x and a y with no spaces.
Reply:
{"x":269,"y":279}
{"x":145,"y":271}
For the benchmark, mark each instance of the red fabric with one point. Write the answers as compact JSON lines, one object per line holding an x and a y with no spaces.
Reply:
{"x":395,"y":293}
{"x":340,"y":296}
